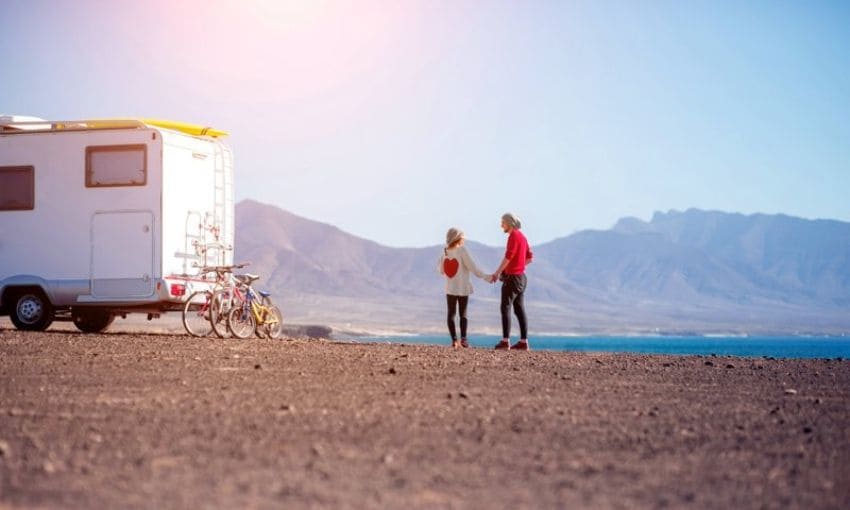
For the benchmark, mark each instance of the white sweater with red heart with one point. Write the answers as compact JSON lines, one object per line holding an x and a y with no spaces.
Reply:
{"x":456,"y":265}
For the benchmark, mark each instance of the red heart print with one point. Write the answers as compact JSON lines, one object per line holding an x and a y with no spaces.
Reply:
{"x":450,"y":267}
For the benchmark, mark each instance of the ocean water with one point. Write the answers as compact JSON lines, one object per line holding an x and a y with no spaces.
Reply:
{"x":750,"y":346}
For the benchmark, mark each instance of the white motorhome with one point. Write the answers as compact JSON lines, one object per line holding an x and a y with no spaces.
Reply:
{"x":100,"y":218}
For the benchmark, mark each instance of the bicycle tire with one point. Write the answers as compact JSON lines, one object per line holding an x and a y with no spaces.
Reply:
{"x":274,"y":330}
{"x":218,"y":314}
{"x":196,"y":315}
{"x":241,"y":322}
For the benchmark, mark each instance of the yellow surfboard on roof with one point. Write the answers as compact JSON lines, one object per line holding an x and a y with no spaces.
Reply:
{"x":173,"y":125}
{"x":185,"y":127}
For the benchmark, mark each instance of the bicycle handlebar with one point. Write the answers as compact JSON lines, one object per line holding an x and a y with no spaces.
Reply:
{"x":223,"y":269}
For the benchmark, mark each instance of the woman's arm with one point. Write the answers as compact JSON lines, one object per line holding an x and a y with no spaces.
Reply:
{"x":469,"y":263}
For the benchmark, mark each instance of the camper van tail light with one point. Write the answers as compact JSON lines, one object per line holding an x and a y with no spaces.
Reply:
{"x":178,"y":289}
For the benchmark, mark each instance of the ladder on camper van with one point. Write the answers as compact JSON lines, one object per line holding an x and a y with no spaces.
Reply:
{"x":223,"y":219}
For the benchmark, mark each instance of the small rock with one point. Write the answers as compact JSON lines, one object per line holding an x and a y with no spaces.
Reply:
{"x":393,"y":370}
{"x":257,"y":366}
{"x":463,"y":394}
{"x":666,"y":364}
{"x":807,"y":430}
{"x":790,"y":391}
{"x":287,"y":407}
{"x":48,"y":467}
{"x":4,"y":448}
{"x":818,"y":401}
{"x":387,"y":458}
{"x":709,"y":363}
{"x":235,"y":356}
{"x":197,"y":358}
{"x":730,"y":365}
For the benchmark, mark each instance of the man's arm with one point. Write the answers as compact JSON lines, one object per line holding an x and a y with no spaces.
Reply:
{"x":502,"y":266}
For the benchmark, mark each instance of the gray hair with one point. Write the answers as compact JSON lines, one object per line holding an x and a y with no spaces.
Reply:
{"x":512,"y":220}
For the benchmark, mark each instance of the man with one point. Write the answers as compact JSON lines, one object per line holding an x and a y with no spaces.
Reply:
{"x":512,"y":273}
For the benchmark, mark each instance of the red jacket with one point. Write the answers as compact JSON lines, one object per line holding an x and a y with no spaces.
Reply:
{"x":518,"y":252}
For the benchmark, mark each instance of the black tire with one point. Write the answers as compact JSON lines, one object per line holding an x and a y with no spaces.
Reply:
{"x":92,"y":321}
{"x":196,"y":314}
{"x":31,"y":311}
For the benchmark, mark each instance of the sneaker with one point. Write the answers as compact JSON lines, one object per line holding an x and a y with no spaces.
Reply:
{"x":520,"y":346}
{"x":464,"y":343}
{"x":503,"y":345}
{"x":455,"y":344}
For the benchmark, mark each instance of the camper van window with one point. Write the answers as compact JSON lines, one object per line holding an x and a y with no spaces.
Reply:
{"x":17,"y":188}
{"x":116,"y":165}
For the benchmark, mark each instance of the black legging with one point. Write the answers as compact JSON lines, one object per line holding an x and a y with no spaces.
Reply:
{"x":513,"y":293}
{"x":454,"y":302}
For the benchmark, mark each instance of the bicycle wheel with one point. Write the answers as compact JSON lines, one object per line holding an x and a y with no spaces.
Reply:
{"x":274,"y":326}
{"x":262,"y":326}
{"x":241,"y":321}
{"x":196,"y":314}
{"x":222,"y":302}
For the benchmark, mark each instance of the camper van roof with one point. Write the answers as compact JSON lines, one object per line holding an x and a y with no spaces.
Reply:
{"x":11,"y":125}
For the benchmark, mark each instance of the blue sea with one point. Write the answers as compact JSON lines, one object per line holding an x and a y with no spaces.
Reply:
{"x":745,"y":346}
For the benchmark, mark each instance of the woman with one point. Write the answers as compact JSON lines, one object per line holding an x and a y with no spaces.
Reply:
{"x":455,"y":265}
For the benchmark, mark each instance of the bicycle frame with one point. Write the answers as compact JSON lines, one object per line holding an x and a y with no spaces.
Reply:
{"x":262,"y":313}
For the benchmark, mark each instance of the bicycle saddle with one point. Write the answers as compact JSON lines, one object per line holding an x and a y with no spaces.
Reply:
{"x":248,"y":277}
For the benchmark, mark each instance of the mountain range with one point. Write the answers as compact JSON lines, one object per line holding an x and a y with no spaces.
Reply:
{"x":681,"y":272}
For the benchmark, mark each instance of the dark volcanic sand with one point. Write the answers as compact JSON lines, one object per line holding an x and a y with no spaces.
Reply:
{"x":157,"y":421}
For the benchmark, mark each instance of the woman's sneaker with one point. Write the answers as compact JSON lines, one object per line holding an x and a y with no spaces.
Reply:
{"x":521,"y":346}
{"x":503,"y":345}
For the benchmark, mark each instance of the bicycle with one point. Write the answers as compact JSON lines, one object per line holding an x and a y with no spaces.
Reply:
{"x":202,"y":314}
{"x":255,"y":315}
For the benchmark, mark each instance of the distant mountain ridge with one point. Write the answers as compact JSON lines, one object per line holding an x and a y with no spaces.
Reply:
{"x":691,"y":271}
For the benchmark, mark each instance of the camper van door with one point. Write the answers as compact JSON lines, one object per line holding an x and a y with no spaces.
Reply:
{"x":122,"y":254}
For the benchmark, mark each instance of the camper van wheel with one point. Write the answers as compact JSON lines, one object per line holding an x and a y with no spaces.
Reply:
{"x":33,"y":311}
{"x":92,"y":321}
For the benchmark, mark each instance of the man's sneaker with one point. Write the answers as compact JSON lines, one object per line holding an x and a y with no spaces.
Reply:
{"x":520,"y":346}
{"x":503,"y":345}
{"x":464,"y":343}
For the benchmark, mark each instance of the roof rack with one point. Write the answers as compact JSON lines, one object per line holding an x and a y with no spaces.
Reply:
{"x":41,"y":126}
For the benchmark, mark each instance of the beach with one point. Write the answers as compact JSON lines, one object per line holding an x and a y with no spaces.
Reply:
{"x":169,"y":421}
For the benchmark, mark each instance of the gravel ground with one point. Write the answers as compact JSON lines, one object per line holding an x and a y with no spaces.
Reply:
{"x":168,"y":421}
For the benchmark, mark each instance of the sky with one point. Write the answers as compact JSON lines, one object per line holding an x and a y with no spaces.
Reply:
{"x":395,"y":120}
